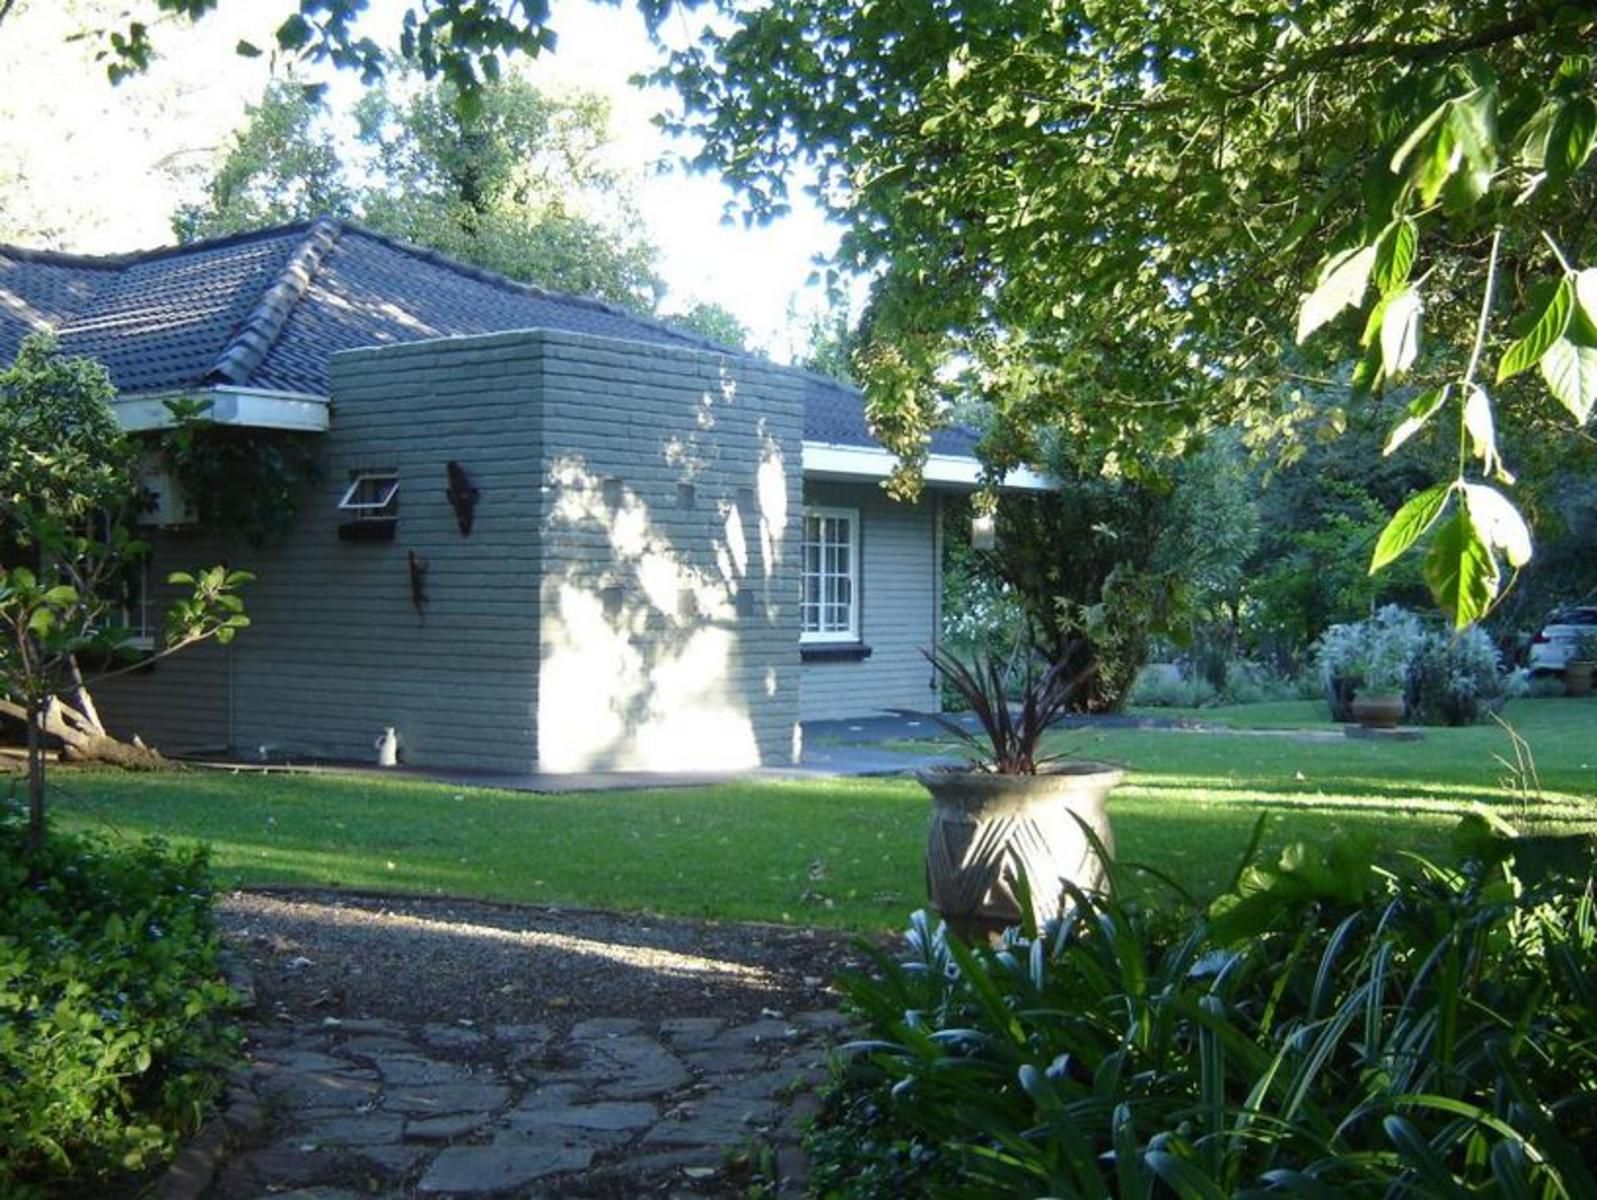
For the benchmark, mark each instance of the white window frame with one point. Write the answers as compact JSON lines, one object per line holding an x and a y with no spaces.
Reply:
{"x":134,"y":611}
{"x":372,"y":510}
{"x":851,"y":634}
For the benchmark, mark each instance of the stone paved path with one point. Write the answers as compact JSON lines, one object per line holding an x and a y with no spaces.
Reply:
{"x":612,"y":1107}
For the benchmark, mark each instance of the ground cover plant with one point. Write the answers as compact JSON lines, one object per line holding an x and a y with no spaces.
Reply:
{"x":113,"y":1030}
{"x":1326,"y":1028}
{"x":839,"y":853}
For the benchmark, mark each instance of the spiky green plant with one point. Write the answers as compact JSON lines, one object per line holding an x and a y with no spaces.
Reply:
{"x":1010,"y":735}
{"x":1327,"y":1030}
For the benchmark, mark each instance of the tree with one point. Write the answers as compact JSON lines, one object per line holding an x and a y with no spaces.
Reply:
{"x":1097,"y":216}
{"x":465,"y":42}
{"x":832,"y":342}
{"x":68,"y":483}
{"x":280,"y":168}
{"x":714,"y":321}
{"x":520,"y":185}
{"x":1102,"y":565}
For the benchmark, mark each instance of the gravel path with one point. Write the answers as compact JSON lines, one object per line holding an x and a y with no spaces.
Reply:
{"x":419,"y":1047}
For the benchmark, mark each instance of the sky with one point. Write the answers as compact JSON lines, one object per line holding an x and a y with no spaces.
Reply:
{"x":92,"y":168}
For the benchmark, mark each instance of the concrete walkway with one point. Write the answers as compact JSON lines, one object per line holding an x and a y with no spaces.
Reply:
{"x":852,"y":747}
{"x":831,"y":748}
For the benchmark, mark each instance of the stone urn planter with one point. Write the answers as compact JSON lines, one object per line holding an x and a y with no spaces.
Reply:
{"x":988,"y":828}
{"x":1577,"y":677}
{"x":1378,"y":710}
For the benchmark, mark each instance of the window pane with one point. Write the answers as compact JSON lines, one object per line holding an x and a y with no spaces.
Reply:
{"x":827,"y":594}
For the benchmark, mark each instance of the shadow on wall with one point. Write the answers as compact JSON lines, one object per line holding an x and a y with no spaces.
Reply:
{"x":663,"y":600}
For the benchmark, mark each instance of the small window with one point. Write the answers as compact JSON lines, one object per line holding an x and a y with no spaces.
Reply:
{"x":829,"y":596}
{"x":133,"y":606}
{"x":372,"y":496}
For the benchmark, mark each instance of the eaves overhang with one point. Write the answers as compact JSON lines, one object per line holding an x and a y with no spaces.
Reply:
{"x":829,"y":460}
{"x":230,"y":404}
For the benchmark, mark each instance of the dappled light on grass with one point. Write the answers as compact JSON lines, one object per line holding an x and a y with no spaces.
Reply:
{"x":1350,"y":792}
{"x":825,"y":853}
{"x":840,"y":853}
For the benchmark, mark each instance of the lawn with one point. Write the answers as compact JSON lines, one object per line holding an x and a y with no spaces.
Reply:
{"x":839,"y":852}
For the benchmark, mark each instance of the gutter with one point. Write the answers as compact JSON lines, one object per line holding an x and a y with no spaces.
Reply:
{"x":231,"y":404}
{"x":830,"y":460}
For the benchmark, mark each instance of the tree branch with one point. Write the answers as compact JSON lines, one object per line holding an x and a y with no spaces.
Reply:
{"x":1339,"y":54}
{"x":147,"y":660}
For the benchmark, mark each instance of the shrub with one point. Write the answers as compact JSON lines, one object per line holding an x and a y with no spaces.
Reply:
{"x":1455,"y":678}
{"x":1325,"y":1029}
{"x":112,"y":1038}
{"x":1373,"y":654}
{"x":1251,"y":683}
{"x":1160,"y":685}
{"x":1544,"y":687}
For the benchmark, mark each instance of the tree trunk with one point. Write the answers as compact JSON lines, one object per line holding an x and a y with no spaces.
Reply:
{"x":34,"y":717}
{"x":82,"y":737}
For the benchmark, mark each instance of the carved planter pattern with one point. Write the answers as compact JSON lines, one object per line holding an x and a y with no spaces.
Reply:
{"x":986,"y":829}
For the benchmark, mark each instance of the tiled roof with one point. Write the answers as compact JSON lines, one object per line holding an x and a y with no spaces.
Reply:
{"x":268,"y":309}
{"x":835,"y":413}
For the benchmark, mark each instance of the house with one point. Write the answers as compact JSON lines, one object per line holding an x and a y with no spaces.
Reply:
{"x":673,"y":553}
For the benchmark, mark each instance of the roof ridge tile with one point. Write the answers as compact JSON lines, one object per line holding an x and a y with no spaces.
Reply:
{"x":259,"y":332}
{"x":130,"y":258}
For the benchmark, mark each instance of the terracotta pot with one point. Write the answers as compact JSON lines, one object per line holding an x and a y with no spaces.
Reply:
{"x":1577,"y":677}
{"x":986,"y":829}
{"x":1378,"y":710}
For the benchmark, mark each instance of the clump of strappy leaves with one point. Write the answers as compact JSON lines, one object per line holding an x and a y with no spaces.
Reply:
{"x":1325,"y":1028}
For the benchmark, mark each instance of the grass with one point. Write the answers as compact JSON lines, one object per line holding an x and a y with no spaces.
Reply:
{"x":843,"y":853}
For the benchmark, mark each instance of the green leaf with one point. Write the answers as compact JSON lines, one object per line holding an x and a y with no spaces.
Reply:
{"x":1367,"y":374}
{"x":294,"y":33}
{"x":1549,"y":327}
{"x":1418,"y":1156}
{"x":1569,"y":365}
{"x":1371,"y":335}
{"x":1436,"y":165}
{"x":1498,"y":523}
{"x":1394,"y":254}
{"x":41,"y":621}
{"x":1416,"y":136}
{"x":1183,"y":1177}
{"x":246,"y":49}
{"x":1586,"y":297}
{"x":1342,"y":284}
{"x":1473,"y":123}
{"x":1460,"y":571}
{"x":1400,"y":332}
{"x":1409,"y":524}
{"x":1570,"y":370}
{"x":61,"y":594}
{"x":1420,"y":410}
{"x":1482,"y":429}
{"x":1570,"y":143}
{"x":1534,"y":135}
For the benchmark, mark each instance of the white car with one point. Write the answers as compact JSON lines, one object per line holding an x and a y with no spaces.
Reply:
{"x":1554,"y":646}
